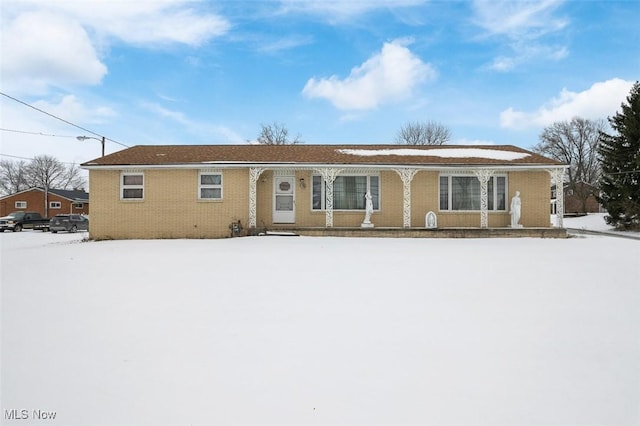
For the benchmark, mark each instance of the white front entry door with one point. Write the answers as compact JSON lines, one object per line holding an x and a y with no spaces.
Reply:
{"x":284,"y":205}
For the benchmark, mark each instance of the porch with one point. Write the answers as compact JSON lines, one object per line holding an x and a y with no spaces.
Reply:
{"x":304,"y":199}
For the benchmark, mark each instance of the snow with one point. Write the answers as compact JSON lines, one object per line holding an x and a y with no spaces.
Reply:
{"x":594,"y":222}
{"x":301,"y":330}
{"x":492,"y":154}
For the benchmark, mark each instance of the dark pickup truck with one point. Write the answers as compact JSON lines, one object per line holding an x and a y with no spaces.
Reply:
{"x":17,"y":221}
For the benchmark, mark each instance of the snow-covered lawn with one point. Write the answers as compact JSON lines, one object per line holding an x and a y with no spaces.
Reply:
{"x":298,"y":330}
{"x":595,"y":222}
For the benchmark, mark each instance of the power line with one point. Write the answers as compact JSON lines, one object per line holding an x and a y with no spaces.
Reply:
{"x":31,"y":159}
{"x":62,"y":119}
{"x":35,"y":133}
{"x":15,"y":156}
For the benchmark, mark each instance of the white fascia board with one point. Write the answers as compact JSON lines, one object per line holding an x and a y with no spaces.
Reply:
{"x":311,"y":166}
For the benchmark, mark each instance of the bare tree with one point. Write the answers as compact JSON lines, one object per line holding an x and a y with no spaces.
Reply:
{"x":48,"y":172}
{"x":276,"y":134}
{"x":13,"y":176}
{"x":423,"y":133}
{"x":72,"y":179}
{"x":575,"y":143}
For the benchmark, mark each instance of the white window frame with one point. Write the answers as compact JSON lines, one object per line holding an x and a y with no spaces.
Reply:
{"x":202,"y":186}
{"x":21,"y":205}
{"x":78,"y":206}
{"x":124,"y":187}
{"x":55,"y":205}
{"x":494,"y":195}
{"x":323,"y":197}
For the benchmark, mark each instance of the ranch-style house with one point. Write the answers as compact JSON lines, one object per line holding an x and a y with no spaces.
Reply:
{"x":208,"y":191}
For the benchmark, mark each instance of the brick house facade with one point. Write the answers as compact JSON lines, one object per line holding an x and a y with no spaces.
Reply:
{"x":184,"y":191}
{"x":56,"y":201}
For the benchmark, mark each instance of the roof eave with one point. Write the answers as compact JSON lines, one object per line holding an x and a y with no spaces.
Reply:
{"x":298,"y":165}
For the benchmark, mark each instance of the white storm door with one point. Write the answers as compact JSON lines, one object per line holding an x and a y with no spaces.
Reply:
{"x":284,"y":193}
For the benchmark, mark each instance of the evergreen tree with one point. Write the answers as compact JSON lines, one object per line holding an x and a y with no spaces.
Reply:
{"x":620,"y":161}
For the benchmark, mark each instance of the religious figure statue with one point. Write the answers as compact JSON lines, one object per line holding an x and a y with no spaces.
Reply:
{"x":368,"y":210}
{"x":515,"y":210}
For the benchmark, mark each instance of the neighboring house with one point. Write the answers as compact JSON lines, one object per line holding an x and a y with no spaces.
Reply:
{"x":573,"y":202}
{"x":180,"y":191}
{"x":47,"y":204}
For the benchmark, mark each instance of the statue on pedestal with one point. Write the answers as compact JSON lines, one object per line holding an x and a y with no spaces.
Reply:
{"x":368,"y":211}
{"x":515,"y":210}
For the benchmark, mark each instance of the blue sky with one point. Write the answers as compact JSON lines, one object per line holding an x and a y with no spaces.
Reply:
{"x":349,"y":71}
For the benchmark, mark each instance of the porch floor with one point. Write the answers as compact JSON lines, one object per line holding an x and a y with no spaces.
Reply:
{"x":383,"y":232}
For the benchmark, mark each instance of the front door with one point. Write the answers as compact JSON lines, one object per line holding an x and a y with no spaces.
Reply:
{"x":284,"y":193}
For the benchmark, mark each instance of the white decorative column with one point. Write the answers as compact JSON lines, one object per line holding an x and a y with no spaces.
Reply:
{"x":407,"y":176}
{"x":483,"y":176}
{"x":329,"y":175}
{"x":557,"y":179}
{"x":254,"y":175}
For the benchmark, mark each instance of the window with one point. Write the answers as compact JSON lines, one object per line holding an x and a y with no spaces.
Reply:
{"x":210,"y":186}
{"x":132,"y":186}
{"x":462,"y":193}
{"x":348,"y":192}
{"x":21,"y":204}
{"x":55,"y":205}
{"x":78,"y":206}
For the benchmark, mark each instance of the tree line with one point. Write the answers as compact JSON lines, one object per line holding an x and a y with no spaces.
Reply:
{"x":43,"y":171}
{"x":411,"y":133}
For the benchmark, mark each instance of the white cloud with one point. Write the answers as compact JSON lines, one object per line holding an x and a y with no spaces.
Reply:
{"x":72,"y":109}
{"x":599,"y":101}
{"x":163,"y":112}
{"x":340,"y":10}
{"x":151,"y":23}
{"x":58,"y":43}
{"x":202,"y":130}
{"x":139,"y":22}
{"x":526,"y":53}
{"x":284,"y":43}
{"x":58,"y":53}
{"x":518,"y":19}
{"x":390,"y":75}
{"x":526,"y":26}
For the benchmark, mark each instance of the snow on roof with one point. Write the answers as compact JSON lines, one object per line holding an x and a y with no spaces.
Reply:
{"x":492,"y":154}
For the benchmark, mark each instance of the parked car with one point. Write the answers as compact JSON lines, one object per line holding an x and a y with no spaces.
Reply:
{"x":17,"y":221}
{"x":69,"y":223}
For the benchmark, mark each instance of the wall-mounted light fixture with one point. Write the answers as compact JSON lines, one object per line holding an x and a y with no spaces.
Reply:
{"x":302,"y":183}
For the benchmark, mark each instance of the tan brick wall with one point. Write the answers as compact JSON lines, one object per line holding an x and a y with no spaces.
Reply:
{"x":425,"y":196}
{"x":535,"y":195}
{"x":171,"y":208}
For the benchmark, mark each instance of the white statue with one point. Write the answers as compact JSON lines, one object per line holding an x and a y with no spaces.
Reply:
{"x":515,"y":210}
{"x":431,"y":220}
{"x":368,"y":211}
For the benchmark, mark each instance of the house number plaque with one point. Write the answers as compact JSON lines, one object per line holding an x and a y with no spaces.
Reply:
{"x":285,"y":186}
